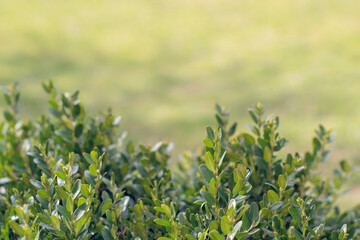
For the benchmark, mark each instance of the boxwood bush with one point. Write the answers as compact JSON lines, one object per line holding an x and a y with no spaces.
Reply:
{"x":69,"y":175}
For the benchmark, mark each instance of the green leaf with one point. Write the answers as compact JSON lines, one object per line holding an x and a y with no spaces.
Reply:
{"x":93,"y":170}
{"x":273,"y":196}
{"x":60,"y":175}
{"x":296,"y":233}
{"x":232,"y":129}
{"x":295,"y":214}
{"x":276,"y":206}
{"x":253,"y":116}
{"x":43,"y":194}
{"x":235,"y":230}
{"x":267,"y":154}
{"x":222,"y":158}
{"x":189,"y":237}
{"x":215,"y":235}
{"x":37,"y":184}
{"x":210,"y":133}
{"x":62,"y":193}
{"x":208,"y":197}
{"x":64,"y":212}
{"x":55,"y":222}
{"x":85,"y":190}
{"x":164,"y":238}
{"x":226,"y":225}
{"x":254,"y":212}
{"x":17,"y":228}
{"x":163,"y":222}
{"x":213,"y":225}
{"x":249,"y":140}
{"x":76,"y":188}
{"x":106,"y":206}
{"x":212,"y":187}
{"x":209,"y":143}
{"x":209,"y":161}
{"x":79,"y":212}
{"x":206,"y":173}
{"x":78,"y":130}
{"x":166,"y":209}
{"x":94,"y":156}
{"x":282,"y":181}
{"x":81,"y":201}
{"x":106,"y":234}
{"x":141,"y":231}
{"x":89,"y":178}
{"x":43,"y":218}
{"x":88,"y":158}
{"x":345,"y":166}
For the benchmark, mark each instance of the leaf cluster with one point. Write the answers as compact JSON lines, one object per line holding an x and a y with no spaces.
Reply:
{"x":72,"y":176}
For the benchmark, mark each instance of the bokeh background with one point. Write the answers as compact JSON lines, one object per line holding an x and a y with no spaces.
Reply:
{"x":163,"y":65}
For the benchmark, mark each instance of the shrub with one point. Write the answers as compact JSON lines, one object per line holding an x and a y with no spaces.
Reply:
{"x":72,"y":176}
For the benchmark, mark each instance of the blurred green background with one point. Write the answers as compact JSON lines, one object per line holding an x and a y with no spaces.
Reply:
{"x":163,"y":65}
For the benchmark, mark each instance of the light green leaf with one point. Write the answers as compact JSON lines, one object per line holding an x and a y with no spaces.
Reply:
{"x":85,"y":190}
{"x":55,"y":222}
{"x":212,"y":187}
{"x":226,"y":225}
{"x":106,"y":206}
{"x":60,"y":175}
{"x":17,"y":228}
{"x":209,"y":161}
{"x":215,"y":235}
{"x":267,"y":154}
{"x":209,"y":143}
{"x":93,"y":170}
{"x":282,"y":181}
{"x":163,"y":222}
{"x":249,"y":140}
{"x":62,"y":193}
{"x":273,"y":196}
{"x":43,"y":194}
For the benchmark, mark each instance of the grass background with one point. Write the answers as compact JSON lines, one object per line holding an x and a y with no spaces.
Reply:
{"x":163,"y":65}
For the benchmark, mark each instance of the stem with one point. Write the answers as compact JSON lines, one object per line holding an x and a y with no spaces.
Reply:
{"x":216,"y":187}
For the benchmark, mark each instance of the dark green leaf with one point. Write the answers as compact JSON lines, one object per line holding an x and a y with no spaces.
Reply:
{"x":208,"y":197}
{"x":295,"y":214}
{"x":206,"y":173}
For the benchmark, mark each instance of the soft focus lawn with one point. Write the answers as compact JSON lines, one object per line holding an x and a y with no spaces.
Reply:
{"x":163,"y":65}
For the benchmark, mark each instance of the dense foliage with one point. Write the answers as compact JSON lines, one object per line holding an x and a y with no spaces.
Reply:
{"x":72,"y":176}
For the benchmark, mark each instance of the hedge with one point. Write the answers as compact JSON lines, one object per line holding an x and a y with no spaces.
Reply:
{"x":69,"y":175}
